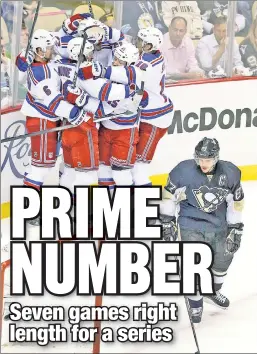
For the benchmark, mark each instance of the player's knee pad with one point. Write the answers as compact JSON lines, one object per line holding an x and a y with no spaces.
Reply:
{"x":105,"y":176}
{"x":122,"y":177}
{"x":67,"y":178}
{"x":141,"y":174}
{"x":35,"y":176}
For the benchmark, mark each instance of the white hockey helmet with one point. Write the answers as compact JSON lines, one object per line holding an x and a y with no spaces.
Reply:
{"x":127,"y":52}
{"x":93,"y":28}
{"x":74,"y":47}
{"x":151,"y":35}
{"x":42,"y":39}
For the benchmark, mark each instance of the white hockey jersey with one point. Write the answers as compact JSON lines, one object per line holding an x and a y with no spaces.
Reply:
{"x":150,"y":69}
{"x":107,"y":98}
{"x":44,"y":98}
{"x":103,"y":52}
{"x":186,"y":9}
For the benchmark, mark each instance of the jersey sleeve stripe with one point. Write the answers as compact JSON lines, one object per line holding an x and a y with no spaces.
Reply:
{"x":155,"y":113}
{"x":55,"y":103}
{"x":131,"y":74}
{"x":104,"y":92}
{"x":32,"y":77}
{"x":157,"y":61}
{"x":39,"y":107}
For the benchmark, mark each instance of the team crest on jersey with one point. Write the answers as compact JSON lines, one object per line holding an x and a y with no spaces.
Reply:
{"x":51,"y":155}
{"x":209,"y":199}
{"x":222,"y":180}
{"x":243,"y":48}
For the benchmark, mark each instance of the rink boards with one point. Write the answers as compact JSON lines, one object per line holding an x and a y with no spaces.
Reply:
{"x":226,"y":111}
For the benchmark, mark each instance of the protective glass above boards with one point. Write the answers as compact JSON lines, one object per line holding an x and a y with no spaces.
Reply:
{"x":202,"y":40}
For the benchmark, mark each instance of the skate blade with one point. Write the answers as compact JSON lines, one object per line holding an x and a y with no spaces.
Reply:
{"x":208,"y":301}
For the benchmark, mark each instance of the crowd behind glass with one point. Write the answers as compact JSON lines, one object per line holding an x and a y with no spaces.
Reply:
{"x":196,"y":38}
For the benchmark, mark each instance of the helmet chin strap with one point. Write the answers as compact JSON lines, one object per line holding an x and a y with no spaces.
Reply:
{"x":43,"y":57}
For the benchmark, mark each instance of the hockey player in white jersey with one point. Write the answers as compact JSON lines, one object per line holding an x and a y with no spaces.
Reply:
{"x":118,"y":137}
{"x":44,"y":106}
{"x":156,"y":117}
{"x":96,"y":96}
{"x":104,"y":43}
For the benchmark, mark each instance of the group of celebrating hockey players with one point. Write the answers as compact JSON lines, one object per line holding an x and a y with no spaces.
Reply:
{"x":119,"y":111}
{"x":128,"y":96}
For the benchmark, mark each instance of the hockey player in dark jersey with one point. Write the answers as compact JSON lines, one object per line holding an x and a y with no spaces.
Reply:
{"x":210,"y":198}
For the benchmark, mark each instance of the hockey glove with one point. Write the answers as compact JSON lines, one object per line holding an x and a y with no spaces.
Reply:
{"x":169,"y":228}
{"x":70,"y":25}
{"x":22,"y":63}
{"x":234,"y":238}
{"x":95,"y":69}
{"x":75,"y":96}
{"x":78,"y":116}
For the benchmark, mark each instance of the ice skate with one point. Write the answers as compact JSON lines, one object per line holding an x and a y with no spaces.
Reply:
{"x":196,"y":310}
{"x":218,"y":299}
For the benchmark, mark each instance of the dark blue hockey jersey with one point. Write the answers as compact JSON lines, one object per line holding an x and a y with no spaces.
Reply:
{"x":206,"y":202}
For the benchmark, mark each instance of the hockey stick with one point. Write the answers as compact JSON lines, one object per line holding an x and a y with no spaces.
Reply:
{"x":90,"y":8}
{"x":190,"y":317}
{"x":186,"y":299}
{"x":74,"y":81}
{"x":187,"y":303}
{"x":46,"y":131}
{"x":57,"y":129}
{"x":80,"y":58}
{"x":32,"y":28}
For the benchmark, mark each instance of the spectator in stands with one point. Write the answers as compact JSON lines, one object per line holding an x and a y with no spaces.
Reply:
{"x":5,"y":61}
{"x":248,"y":48}
{"x":187,"y":9}
{"x":7,"y":12}
{"x":210,"y":50}
{"x":24,"y":35}
{"x":211,"y":9}
{"x":245,"y":9}
{"x":179,"y":52}
{"x":5,"y":76}
{"x":140,"y":14}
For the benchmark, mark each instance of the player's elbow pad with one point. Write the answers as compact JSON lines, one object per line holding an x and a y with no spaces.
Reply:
{"x":21,"y":64}
{"x":234,"y":210}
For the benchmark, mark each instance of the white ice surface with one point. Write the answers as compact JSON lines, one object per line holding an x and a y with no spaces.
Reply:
{"x":230,"y":331}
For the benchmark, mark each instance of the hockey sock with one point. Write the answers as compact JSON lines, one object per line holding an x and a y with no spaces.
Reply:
{"x":141,"y":175}
{"x":219,"y":278}
{"x":195,"y":300}
{"x":122,"y":177}
{"x":105,"y":177}
{"x":35,"y":176}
